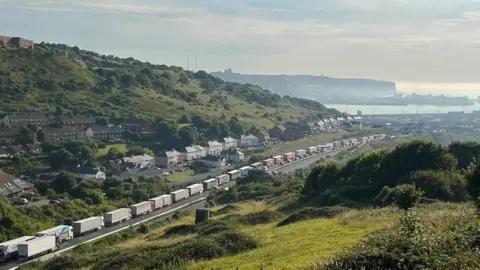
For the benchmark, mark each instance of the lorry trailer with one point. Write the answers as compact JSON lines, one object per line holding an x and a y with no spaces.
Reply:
{"x":141,"y":208}
{"x":312,"y":149}
{"x":37,"y":247}
{"x":9,"y":249}
{"x":179,"y":195}
{"x":269,"y":162}
{"x":194,"y":189}
{"x":244,"y":170}
{"x":289,"y":156}
{"x":210,"y":183}
{"x":61,"y":233}
{"x":224,"y":178}
{"x":278,"y":159}
{"x":117,"y":216}
{"x":300,"y":153}
{"x":257,"y":165}
{"x":87,"y":225}
{"x":167,"y":199}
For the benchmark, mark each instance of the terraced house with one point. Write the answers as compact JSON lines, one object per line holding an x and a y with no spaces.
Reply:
{"x":19,"y":119}
{"x":11,"y":186}
{"x":169,"y":159}
{"x":63,"y":133}
{"x":107,"y":132}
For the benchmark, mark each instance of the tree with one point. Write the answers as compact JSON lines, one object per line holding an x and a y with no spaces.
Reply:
{"x":63,"y":182}
{"x":62,"y":157}
{"x":25,"y":136}
{"x":188,"y":135}
{"x":199,"y":121}
{"x":84,"y":154}
{"x":406,"y":196}
{"x":465,"y":152}
{"x":127,"y":80}
{"x":143,"y":80}
{"x":113,"y":153}
{"x":185,"y":119}
{"x":20,"y":163}
{"x":473,"y":187}
{"x":40,"y":135}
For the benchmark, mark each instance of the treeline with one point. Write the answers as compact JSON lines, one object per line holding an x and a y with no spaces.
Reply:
{"x":441,"y":173}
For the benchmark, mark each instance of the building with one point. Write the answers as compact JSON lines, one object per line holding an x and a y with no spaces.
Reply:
{"x":320,"y":125}
{"x":214,"y":148}
{"x":249,"y":141}
{"x":17,"y":42}
{"x":229,"y":143}
{"x":136,"y":124}
{"x":214,"y":161}
{"x":4,"y":152}
{"x":34,"y":148}
{"x":86,"y":172}
{"x":263,"y":136}
{"x":11,"y":186}
{"x":169,"y":159}
{"x":77,"y":120}
{"x":141,"y":161}
{"x":20,"y":119}
{"x":191,"y":153}
{"x":276,"y":132}
{"x":333,"y":122}
{"x":13,"y":150}
{"x":82,"y":132}
{"x":135,"y":173}
{"x":7,"y":136}
{"x":107,"y":132}
{"x":233,"y":156}
{"x":202,"y":152}
{"x":63,"y":133}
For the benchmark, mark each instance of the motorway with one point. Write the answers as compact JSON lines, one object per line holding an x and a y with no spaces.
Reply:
{"x":188,"y":204}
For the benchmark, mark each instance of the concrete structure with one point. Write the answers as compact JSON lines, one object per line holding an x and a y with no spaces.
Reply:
{"x":17,"y":42}
{"x":169,"y":159}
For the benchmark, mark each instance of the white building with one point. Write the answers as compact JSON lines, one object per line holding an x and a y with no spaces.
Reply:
{"x":214,"y":148}
{"x":229,"y":143}
{"x":142,"y":161}
{"x":201,"y":151}
{"x":248,"y":141}
{"x":191,"y":153}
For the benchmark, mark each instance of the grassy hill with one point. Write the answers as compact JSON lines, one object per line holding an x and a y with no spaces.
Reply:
{"x":61,"y":78}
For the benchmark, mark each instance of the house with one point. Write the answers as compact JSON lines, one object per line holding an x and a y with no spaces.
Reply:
{"x":86,"y":172}
{"x":63,"y":133}
{"x":214,"y":148}
{"x":135,"y":173}
{"x":202,"y":151}
{"x":340,"y":120}
{"x":17,"y":42}
{"x":263,"y":136}
{"x":191,"y":153}
{"x":4,"y":152}
{"x":214,"y":161}
{"x":169,"y":159}
{"x":136,"y":124}
{"x":333,"y":122}
{"x":248,"y":141}
{"x":8,"y":135}
{"x":16,"y":150}
{"x":110,"y":132}
{"x":320,"y":125}
{"x":233,"y":156}
{"x":276,"y":132}
{"x":327,"y":122}
{"x":77,"y":120}
{"x":82,"y":132}
{"x":11,"y":186}
{"x":141,"y":161}
{"x":20,"y":119}
{"x":229,"y":143}
{"x":34,"y":148}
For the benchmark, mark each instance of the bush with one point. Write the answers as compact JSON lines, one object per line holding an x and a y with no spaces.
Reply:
{"x":254,"y":218}
{"x":312,"y":212}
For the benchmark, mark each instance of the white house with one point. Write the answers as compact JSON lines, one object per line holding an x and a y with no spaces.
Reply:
{"x":321,"y":125}
{"x":333,"y":122}
{"x":214,"y":148}
{"x":88,"y":172}
{"x":248,"y":141}
{"x":191,"y":153}
{"x":141,"y":161}
{"x":327,"y":122}
{"x":169,"y":158}
{"x":214,"y":161}
{"x":201,"y":151}
{"x":229,"y":143}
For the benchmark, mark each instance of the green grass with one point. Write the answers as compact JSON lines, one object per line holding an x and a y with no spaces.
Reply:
{"x":179,"y":176}
{"x":122,"y":147}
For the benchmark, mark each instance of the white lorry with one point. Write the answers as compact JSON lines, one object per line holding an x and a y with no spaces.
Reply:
{"x":87,"y":225}
{"x":167,"y":199}
{"x":61,"y":233}
{"x":157,"y":202}
{"x":117,"y":216}
{"x":194,"y":189}
{"x":179,"y":195}
{"x":37,"y":247}
{"x":141,"y":208}
{"x":210,"y":183}
{"x":224,"y":178}
{"x":9,"y":249}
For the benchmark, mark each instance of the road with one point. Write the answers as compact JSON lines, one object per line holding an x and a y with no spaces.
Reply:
{"x":189,"y":204}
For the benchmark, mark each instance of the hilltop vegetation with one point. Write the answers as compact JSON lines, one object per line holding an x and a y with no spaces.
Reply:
{"x":62,"y":79}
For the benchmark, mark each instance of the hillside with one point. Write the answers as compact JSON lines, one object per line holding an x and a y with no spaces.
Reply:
{"x":309,"y":86}
{"x":66,"y":79}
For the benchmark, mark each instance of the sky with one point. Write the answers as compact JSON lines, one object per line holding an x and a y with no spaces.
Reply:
{"x":417,"y":43}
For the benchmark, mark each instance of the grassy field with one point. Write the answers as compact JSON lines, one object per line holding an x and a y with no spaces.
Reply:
{"x":122,"y":147}
{"x":179,"y":176}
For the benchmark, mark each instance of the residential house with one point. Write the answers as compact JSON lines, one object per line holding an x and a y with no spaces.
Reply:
{"x":249,"y":141}
{"x":263,"y":136}
{"x":169,"y":159}
{"x":4,"y":152}
{"x":110,"y":132}
{"x":141,"y":161}
{"x":82,"y":132}
{"x":327,"y":122}
{"x":135,"y":173}
{"x":233,"y":156}
{"x":350,"y":119}
{"x":11,"y":186}
{"x":8,"y":135}
{"x":214,"y":161}
{"x":276,"y":132}
{"x":202,"y":152}
{"x":214,"y":148}
{"x":85,"y":172}
{"x":229,"y":143}
{"x":333,"y":122}
{"x":136,"y":124}
{"x":77,"y":120}
{"x":320,"y":125}
{"x":16,"y":149}
{"x":20,"y":119}
{"x":63,"y":133}
{"x":340,"y":120}
{"x":191,"y":153}
{"x":34,"y":148}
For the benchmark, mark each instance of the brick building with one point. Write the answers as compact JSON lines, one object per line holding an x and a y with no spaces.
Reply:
{"x":17,"y":42}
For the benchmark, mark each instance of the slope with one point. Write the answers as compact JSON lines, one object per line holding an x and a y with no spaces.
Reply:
{"x":60,"y":78}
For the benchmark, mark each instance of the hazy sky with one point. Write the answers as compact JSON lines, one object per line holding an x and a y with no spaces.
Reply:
{"x":400,"y":40}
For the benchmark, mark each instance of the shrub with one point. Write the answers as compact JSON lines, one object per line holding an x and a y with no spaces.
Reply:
{"x":311,"y":213}
{"x":254,"y":218}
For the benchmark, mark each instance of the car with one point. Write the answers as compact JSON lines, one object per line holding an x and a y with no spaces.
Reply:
{"x":20,"y":201}
{"x":165,"y":174}
{"x":54,"y":202}
{"x":171,"y":172}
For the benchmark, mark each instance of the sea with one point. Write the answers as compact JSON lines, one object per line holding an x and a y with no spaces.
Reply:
{"x":409,"y":109}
